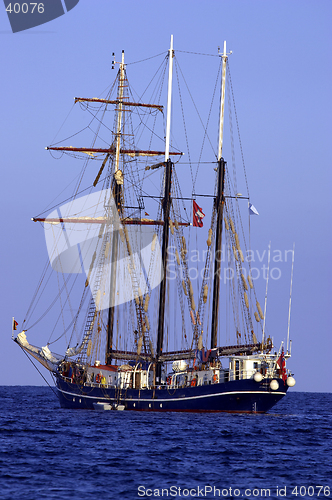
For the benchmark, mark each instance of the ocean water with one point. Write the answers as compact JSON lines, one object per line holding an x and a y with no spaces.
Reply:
{"x":50,"y":453}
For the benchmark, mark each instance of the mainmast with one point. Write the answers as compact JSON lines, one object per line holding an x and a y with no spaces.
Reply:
{"x":166,"y":211}
{"x":219,"y":205}
{"x":117,"y":187}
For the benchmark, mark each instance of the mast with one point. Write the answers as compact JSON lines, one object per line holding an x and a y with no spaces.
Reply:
{"x":290,"y":299}
{"x":119,"y":120}
{"x":267,"y":284}
{"x":166,"y":211}
{"x":219,"y":205}
{"x":169,"y":100}
{"x":117,"y":182}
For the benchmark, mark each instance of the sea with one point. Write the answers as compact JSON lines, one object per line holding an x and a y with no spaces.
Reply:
{"x":51,"y":453}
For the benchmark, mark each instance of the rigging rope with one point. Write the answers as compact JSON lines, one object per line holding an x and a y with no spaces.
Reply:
{"x":40,"y":373}
{"x":238,"y":128}
{"x":205,"y":127}
{"x":147,"y":59}
{"x":197,"y":53}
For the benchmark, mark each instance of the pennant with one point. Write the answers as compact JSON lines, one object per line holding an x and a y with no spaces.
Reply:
{"x":252,"y":210}
{"x":146,"y":213}
{"x":198,"y":215}
{"x":15,"y":324}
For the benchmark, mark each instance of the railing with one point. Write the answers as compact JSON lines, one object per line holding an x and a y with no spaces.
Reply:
{"x":248,"y":374}
{"x":240,"y":374}
{"x":183,"y":379}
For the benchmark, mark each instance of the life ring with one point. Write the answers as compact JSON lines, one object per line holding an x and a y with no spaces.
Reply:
{"x":98,"y":378}
{"x":215,"y":378}
{"x":193,"y":382}
{"x":169,"y":380}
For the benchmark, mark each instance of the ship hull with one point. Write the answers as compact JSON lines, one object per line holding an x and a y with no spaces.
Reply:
{"x":238,"y":396}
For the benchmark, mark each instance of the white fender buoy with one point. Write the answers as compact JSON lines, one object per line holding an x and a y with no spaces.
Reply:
{"x":258,"y":377}
{"x":274,"y":384}
{"x":290,"y":381}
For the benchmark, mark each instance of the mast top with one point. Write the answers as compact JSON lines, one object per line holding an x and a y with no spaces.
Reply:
{"x":121,"y":64}
{"x":224,"y":53}
{"x":224,"y":56}
{"x":169,"y":100}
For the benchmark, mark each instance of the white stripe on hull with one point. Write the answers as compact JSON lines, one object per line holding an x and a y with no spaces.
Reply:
{"x":159,"y":400}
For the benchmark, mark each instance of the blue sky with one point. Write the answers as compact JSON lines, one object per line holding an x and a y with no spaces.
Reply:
{"x":281,"y":74}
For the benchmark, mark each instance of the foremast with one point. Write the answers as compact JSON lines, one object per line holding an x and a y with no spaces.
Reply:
{"x":219,"y":207}
{"x":166,"y":212}
{"x":117,"y":193}
{"x":115,"y":152}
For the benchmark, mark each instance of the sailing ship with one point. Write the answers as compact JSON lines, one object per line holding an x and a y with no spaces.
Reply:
{"x":144,"y":338}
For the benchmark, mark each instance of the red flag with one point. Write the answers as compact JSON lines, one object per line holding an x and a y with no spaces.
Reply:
{"x":198,"y":215}
{"x":14,"y":324}
{"x":282,"y":365}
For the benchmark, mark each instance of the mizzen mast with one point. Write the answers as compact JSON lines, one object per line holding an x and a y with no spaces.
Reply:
{"x":166,"y":211}
{"x":219,"y":206}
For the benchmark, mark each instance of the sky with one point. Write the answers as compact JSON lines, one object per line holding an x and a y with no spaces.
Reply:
{"x":281,"y":75}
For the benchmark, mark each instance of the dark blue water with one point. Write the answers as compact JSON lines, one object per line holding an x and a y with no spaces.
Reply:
{"x":50,"y":453}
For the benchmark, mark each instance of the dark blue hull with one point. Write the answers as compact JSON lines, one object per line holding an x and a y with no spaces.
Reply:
{"x":240,"y":396}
